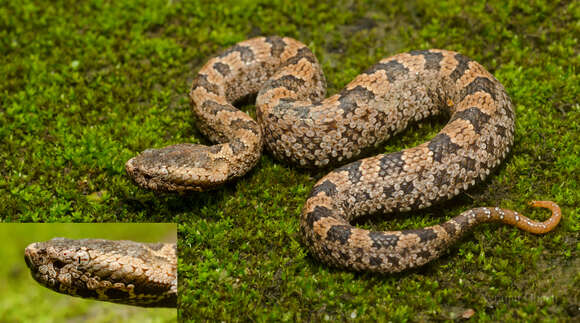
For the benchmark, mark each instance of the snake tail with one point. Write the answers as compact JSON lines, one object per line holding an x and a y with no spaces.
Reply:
{"x":333,"y":240}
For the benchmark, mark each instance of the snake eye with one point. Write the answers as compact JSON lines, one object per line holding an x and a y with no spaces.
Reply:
{"x":58,"y":264}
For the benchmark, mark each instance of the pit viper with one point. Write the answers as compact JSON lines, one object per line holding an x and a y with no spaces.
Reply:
{"x":298,"y":125}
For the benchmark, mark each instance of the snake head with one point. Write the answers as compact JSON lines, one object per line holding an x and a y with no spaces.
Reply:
{"x":181,"y":167}
{"x":54,"y":264}
{"x":119,"y":271}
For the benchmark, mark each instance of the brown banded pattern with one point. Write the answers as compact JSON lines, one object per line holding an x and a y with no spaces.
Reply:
{"x":299,"y":125}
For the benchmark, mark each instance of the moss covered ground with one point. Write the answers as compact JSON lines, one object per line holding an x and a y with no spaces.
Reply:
{"x":86,"y":85}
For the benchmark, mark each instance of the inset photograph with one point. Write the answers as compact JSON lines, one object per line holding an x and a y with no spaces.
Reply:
{"x":94,"y":272}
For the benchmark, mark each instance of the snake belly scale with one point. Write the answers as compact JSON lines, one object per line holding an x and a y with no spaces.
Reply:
{"x":118,"y":271}
{"x":300,"y":126}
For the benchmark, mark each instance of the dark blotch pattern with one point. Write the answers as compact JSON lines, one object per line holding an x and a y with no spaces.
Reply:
{"x":479,"y":84}
{"x":318,"y":213}
{"x":441,"y":145}
{"x":462,"y":66}
{"x":381,"y":240}
{"x":390,"y":163}
{"x":340,"y":233}
{"x":300,"y":112}
{"x":358,"y":252}
{"x":201,"y":81}
{"x":222,"y":68}
{"x":237,"y":146}
{"x":328,"y":187}
{"x":353,"y":169}
{"x":289,"y":82}
{"x":425,"y":235}
{"x":301,"y":53}
{"x":348,"y":98}
{"x":213,"y":107}
{"x":432,"y":60}
{"x":278,"y":45}
{"x":246,"y":53}
{"x":475,"y":116}
{"x":393,"y":69}
{"x":362,"y":196}
{"x":449,"y":228}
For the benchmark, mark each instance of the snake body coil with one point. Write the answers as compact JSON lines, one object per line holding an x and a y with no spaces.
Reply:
{"x":301,"y":127}
{"x":126,"y":272}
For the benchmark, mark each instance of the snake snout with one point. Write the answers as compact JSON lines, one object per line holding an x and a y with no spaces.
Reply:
{"x":35,"y":257}
{"x":27,"y":259}
{"x":29,"y":255}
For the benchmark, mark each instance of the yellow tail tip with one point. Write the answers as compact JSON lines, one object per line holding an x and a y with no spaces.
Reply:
{"x":550,"y":223}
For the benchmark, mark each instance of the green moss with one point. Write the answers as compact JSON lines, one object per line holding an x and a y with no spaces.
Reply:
{"x":86,"y":85}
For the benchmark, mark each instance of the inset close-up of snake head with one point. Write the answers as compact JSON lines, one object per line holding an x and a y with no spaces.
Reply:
{"x":270,"y":161}
{"x":118,"y":271}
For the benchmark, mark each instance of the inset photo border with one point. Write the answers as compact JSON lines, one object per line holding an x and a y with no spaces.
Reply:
{"x":25,"y":300}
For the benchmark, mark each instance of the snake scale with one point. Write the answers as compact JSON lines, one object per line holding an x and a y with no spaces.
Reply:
{"x":119,"y":271}
{"x":300,"y":126}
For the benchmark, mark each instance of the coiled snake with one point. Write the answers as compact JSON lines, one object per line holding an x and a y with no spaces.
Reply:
{"x":119,"y":271}
{"x":299,"y":126}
